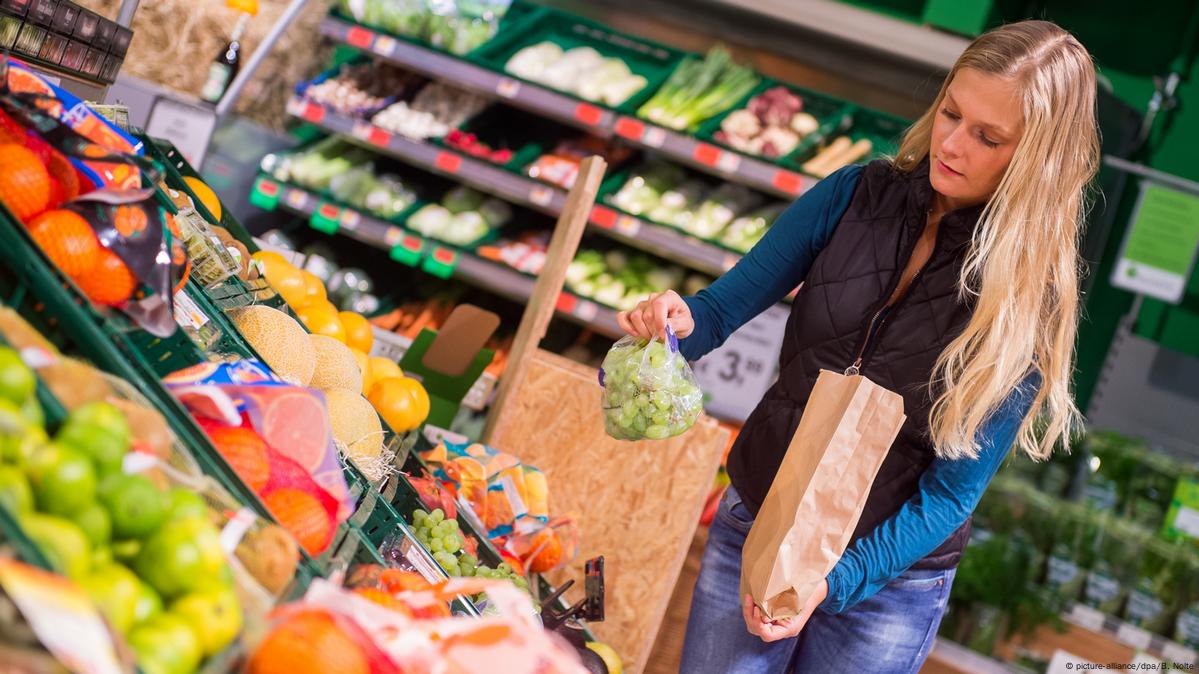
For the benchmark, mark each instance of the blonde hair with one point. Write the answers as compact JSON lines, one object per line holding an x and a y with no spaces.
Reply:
{"x":1023,"y":266}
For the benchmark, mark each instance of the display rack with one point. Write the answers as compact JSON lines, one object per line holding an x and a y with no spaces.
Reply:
{"x":755,"y":173}
{"x":438,"y":259}
{"x":659,"y":239}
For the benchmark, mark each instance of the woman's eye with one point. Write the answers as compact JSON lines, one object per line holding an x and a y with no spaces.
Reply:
{"x":988,"y":142}
{"x":948,"y":113}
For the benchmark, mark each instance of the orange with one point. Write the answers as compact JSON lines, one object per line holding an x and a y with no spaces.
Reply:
{"x":308,"y":642}
{"x":285,"y":279}
{"x":385,"y":368}
{"x":303,"y":516}
{"x":67,"y":239}
{"x":24,"y":181}
{"x":548,"y":551}
{"x":401,"y":401}
{"x":110,"y":283}
{"x":322,"y":320}
{"x":358,"y":331}
{"x":206,"y":196}
{"x":130,"y":221}
{"x":314,"y":290}
{"x":246,"y":453}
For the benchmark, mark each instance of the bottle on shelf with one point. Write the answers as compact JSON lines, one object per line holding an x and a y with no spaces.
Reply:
{"x":226,"y":64}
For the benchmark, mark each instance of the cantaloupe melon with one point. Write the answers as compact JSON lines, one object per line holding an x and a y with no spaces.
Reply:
{"x":357,"y":431}
{"x":280,"y":340}
{"x":336,"y":366}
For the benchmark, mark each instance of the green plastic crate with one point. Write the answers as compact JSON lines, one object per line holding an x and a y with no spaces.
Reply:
{"x":518,"y":14}
{"x":884,"y":132}
{"x":832,"y":113}
{"x":652,"y":61}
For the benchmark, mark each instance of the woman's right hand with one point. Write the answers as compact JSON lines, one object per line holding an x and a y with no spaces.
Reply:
{"x":650,"y":317}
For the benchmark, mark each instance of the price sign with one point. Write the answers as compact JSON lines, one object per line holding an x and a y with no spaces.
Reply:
{"x":728,"y":162}
{"x":738,"y":373}
{"x":384,"y":46}
{"x":448,"y":162}
{"x":297,"y":199}
{"x":507,"y":87}
{"x":654,"y":137}
{"x":541,"y":195}
{"x":350,"y":219}
{"x":1085,"y":616}
{"x":628,"y":225}
{"x":1160,"y":246}
{"x":359,"y":37}
{"x":629,"y":128}
{"x":589,"y":114}
{"x":788,"y":182}
{"x":1136,"y":637}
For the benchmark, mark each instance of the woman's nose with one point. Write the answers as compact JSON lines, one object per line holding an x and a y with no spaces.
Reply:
{"x":951,"y":147}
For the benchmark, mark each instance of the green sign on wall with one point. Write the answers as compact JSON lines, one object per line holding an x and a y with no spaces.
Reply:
{"x":1160,"y":246}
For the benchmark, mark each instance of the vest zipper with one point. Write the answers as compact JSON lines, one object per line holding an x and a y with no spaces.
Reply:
{"x":856,"y":368}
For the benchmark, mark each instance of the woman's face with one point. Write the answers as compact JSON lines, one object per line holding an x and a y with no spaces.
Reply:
{"x":974,"y":136}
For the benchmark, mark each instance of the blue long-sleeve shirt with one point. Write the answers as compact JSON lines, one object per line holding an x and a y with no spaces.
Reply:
{"x":949,"y":490}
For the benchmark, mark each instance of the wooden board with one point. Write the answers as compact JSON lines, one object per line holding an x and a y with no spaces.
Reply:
{"x":668,"y":647}
{"x":638,"y":503}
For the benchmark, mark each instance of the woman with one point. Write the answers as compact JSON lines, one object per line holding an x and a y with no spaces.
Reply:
{"x":948,"y":275}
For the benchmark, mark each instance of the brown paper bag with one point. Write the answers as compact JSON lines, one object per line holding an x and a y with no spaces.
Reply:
{"x":814,"y":503}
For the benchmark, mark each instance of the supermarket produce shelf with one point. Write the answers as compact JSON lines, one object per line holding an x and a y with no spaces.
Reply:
{"x":441,"y":260}
{"x":1130,"y":635}
{"x":734,"y":166}
{"x":659,"y":239}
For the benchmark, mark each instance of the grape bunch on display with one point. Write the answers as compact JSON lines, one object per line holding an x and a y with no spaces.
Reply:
{"x":649,"y":390}
{"x":445,"y":541}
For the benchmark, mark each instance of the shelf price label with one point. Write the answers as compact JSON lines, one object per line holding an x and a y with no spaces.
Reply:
{"x":372,"y":134}
{"x":628,"y":225}
{"x":566,"y":302}
{"x":507,"y":87}
{"x":588,"y":114}
{"x":787,"y":181}
{"x":265,"y":194}
{"x":741,"y":370}
{"x":441,"y":262}
{"x":728,"y":162}
{"x":325,"y":218}
{"x":630,"y":128}
{"x":448,"y":162}
{"x":654,"y":136}
{"x":409,"y":250}
{"x":297,"y":199}
{"x":350,"y":219}
{"x":705,"y":154}
{"x":1131,"y":635}
{"x":541,"y":195}
{"x":384,"y":46}
{"x":586,"y":310}
{"x":602,"y":216}
{"x":312,"y":112}
{"x":393,"y":236}
{"x":359,"y":37}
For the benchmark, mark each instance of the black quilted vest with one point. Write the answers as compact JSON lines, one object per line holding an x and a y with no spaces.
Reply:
{"x":850,"y":281}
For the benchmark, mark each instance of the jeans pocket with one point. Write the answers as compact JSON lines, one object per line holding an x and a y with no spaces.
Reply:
{"x":921,"y":581}
{"x":734,"y":512}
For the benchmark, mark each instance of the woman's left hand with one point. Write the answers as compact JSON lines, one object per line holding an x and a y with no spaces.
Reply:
{"x":775,"y":630}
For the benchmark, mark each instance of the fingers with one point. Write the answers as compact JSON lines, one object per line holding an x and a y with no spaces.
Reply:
{"x":622,"y":320}
{"x":637,"y":322}
{"x":660,"y":306}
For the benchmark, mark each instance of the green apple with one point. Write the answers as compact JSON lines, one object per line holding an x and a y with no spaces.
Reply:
{"x":214,"y":614}
{"x":137,"y":506}
{"x":63,"y":543}
{"x":164,"y":644}
{"x":63,"y":480}
{"x":15,"y":492}
{"x":17,"y":382}
{"x":185,"y":504}
{"x":115,"y":590}
{"x":95,"y":522}
{"x":178,"y":558}
{"x":148,"y":605}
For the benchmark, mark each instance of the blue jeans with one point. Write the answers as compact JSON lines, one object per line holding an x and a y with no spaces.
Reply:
{"x":889,"y":633}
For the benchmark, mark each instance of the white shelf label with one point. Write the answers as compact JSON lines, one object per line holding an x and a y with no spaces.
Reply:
{"x":1134,"y":636}
{"x":235,"y":530}
{"x":654,"y":137}
{"x":728,"y":162}
{"x":586,"y":310}
{"x":541,"y":195}
{"x":1085,"y":616}
{"x":507,"y":87}
{"x":297,"y":198}
{"x":384,"y":46}
{"x":393,"y":236}
{"x":738,"y":373}
{"x":628,"y":225}
{"x":350,"y":219}
{"x":1177,"y":653}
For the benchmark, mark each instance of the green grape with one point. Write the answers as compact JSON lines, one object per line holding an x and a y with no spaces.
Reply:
{"x":452,"y":545}
{"x":437,"y":516}
{"x":451,"y":526}
{"x":436,"y":545}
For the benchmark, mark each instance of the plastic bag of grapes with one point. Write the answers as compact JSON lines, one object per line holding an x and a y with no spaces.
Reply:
{"x":649,"y":390}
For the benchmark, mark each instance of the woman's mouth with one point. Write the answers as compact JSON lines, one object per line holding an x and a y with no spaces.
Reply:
{"x":946,"y":170}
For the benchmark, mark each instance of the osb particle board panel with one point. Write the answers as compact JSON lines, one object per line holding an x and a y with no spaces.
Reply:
{"x":638,"y":503}
{"x":174,"y":42}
